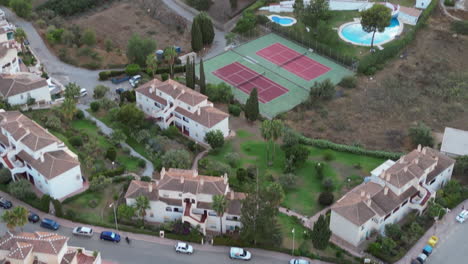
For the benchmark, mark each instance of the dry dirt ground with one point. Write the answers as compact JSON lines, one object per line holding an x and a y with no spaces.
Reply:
{"x":221,"y":10}
{"x":378,"y":113}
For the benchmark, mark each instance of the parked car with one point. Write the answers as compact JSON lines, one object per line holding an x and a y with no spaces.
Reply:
{"x":134,"y":80}
{"x":119,"y":90}
{"x":120,"y":79}
{"x":83,"y":231}
{"x":239,"y":253}
{"x":83,"y":92}
{"x":433,"y":241}
{"x":299,"y":261}
{"x":461,"y":217}
{"x":427,"y":250}
{"x":110,"y":236}
{"x":4,"y":203}
{"x":415,"y":261}
{"x":33,"y":217}
{"x":183,"y":248}
{"x":422,"y":258}
{"x":50,"y":224}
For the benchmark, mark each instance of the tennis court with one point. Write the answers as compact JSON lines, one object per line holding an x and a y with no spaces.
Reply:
{"x":282,"y":82}
{"x":246,"y":79}
{"x":293,"y":61}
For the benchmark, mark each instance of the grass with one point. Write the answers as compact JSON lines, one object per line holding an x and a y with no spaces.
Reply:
{"x":243,"y":134}
{"x":288,"y":223}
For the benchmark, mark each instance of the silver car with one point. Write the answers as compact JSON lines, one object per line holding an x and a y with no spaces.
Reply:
{"x":299,"y":261}
{"x":83,"y":231}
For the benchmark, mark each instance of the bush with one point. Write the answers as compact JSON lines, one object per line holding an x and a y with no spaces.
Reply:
{"x":76,"y":141}
{"x":132,"y":69}
{"x":421,"y":135}
{"x":460,"y":27}
{"x":70,"y":7}
{"x":219,"y":93}
{"x":164,"y":77}
{"x":449,"y":2}
{"x":201,"y":5}
{"x":105,"y":75}
{"x":326,"y":198}
{"x":324,"y":90}
{"x":5,"y":176}
{"x":141,"y":163}
{"x":215,"y":138}
{"x":348,"y":82}
{"x":95,"y":106}
{"x":287,"y":180}
{"x":145,"y":178}
{"x":328,"y":155}
{"x":21,"y":189}
{"x":232,"y":159}
{"x":58,"y":208}
{"x":176,"y":158}
{"x":234,"y":110}
{"x":111,"y":154}
{"x":79,"y":114}
{"x":100,"y":91}
{"x":213,"y":167}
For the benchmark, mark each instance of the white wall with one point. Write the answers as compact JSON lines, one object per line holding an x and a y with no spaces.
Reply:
{"x":411,"y":20}
{"x":349,"y":5}
{"x":10,"y":57}
{"x":66,"y":183}
{"x":423,"y":4}
{"x":343,"y":228}
{"x":41,"y":95}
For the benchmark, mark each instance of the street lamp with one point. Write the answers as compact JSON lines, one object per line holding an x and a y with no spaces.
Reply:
{"x":293,"y":241}
{"x":115,"y":216}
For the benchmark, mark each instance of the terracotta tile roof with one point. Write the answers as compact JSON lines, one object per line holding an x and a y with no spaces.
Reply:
{"x":68,"y":257}
{"x":174,"y":89}
{"x":139,"y":188}
{"x":26,"y":130}
{"x":204,"y":205}
{"x":20,"y":250}
{"x":55,"y":163}
{"x":209,"y":116}
{"x":85,"y":259}
{"x":190,"y":181}
{"x":169,"y":201}
{"x":235,"y":202}
{"x":41,"y":242}
{"x":20,"y":83}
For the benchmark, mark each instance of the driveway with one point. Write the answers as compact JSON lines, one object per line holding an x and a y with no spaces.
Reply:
{"x":63,"y":72}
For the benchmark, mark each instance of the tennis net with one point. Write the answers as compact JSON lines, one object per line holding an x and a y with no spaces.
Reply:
{"x":292,"y":59}
{"x":251,"y":79}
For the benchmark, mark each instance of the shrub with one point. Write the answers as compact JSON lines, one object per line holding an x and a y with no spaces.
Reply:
{"x":219,"y":93}
{"x":95,"y":106}
{"x":111,"y":154}
{"x":287,"y":180}
{"x":100,"y":91}
{"x":79,"y":114}
{"x":349,"y":82}
{"x":141,"y":163}
{"x":21,"y":189}
{"x":176,"y":158}
{"x":105,"y":75}
{"x":89,"y":37}
{"x":145,"y":178}
{"x":213,"y":167}
{"x":449,"y":2}
{"x":215,"y":138}
{"x":5,"y":176}
{"x":54,"y":123}
{"x":164,"y":76}
{"x":76,"y":141}
{"x":234,"y":110}
{"x":421,"y":135}
{"x":132,"y":69}
{"x":58,"y":208}
{"x":328,"y":155}
{"x":460,"y":27}
{"x":324,"y":90}
{"x":326,"y":198}
{"x":232,"y":159}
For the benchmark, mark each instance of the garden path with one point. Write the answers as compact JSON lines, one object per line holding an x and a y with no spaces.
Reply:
{"x":149,"y":168}
{"x":306,"y":221}
{"x":198,"y":158}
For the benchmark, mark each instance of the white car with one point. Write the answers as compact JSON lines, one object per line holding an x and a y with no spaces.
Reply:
{"x":461,"y":217}
{"x":299,"y":261}
{"x":239,"y":253}
{"x":83,"y":231}
{"x":83,"y":92}
{"x":134,"y":80}
{"x":183,"y":248}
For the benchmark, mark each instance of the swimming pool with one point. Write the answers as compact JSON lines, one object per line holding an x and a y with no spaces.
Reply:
{"x":352,"y":32}
{"x":283,"y":21}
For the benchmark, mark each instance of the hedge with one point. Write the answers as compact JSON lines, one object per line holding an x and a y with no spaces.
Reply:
{"x":371,"y":63}
{"x":177,"y":69}
{"x":110,"y":173}
{"x":106,"y":75}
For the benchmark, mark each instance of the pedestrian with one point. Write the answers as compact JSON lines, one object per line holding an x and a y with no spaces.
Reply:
{"x":463,"y":207}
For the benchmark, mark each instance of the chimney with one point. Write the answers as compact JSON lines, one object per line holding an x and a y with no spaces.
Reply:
{"x":363,"y":193}
{"x":195,"y":173}
{"x":385,"y":190}
{"x":163,"y":172}
{"x":419,"y":148}
{"x":402,"y":159}
{"x":174,"y":86}
{"x":388,"y":177}
{"x":225,"y":177}
{"x":182,"y":178}
{"x":383,"y":174}
{"x":416,"y":161}
{"x":232,"y":195}
{"x":198,"y":111}
{"x":151,"y":90}
{"x":150,"y":187}
{"x":424,"y":151}
{"x":202,"y":181}
{"x":368,"y":196}
{"x":368,"y":202}
{"x":41,"y":157}
{"x":183,"y":91}
{"x":405,"y":169}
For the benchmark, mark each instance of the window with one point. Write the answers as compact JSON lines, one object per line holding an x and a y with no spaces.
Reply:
{"x":177,"y":209}
{"x":404,"y":203}
{"x":396,"y":209}
{"x":387,"y":216}
{"x":232,"y":218}
{"x":185,"y":119}
{"x":21,"y":96}
{"x":362,"y":228}
{"x":78,"y":177}
{"x":160,"y":93}
{"x":151,"y":215}
{"x":188,"y":108}
{"x":168,"y":209}
{"x":180,"y":194}
{"x":29,"y":167}
{"x":211,"y":213}
{"x":157,"y":104}
{"x":432,"y":181}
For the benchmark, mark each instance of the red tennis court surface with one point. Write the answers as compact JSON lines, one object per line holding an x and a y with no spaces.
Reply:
{"x":293,"y":61}
{"x":246,"y":79}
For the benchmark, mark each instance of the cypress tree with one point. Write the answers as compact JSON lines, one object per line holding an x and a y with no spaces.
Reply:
{"x":194,"y":76}
{"x":251,"y":106}
{"x":202,"y":82}
{"x":188,"y":74}
{"x":207,"y":29}
{"x":321,"y":233}
{"x":197,"y":41}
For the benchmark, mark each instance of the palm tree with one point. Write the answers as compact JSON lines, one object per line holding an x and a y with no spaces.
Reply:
{"x":68,"y":108}
{"x":151,"y":64}
{"x":16,"y":217}
{"x":267,"y":134}
{"x":20,"y":36}
{"x":170,"y":54}
{"x":277,"y":128}
{"x":142,"y":203}
{"x":220,"y":205}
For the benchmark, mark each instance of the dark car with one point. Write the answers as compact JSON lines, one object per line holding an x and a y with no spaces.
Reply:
{"x":5,"y":203}
{"x":110,"y":236}
{"x":50,"y":224}
{"x":33,"y":217}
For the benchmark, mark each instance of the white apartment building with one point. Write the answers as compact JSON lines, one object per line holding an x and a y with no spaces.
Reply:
{"x":185,"y":195}
{"x":43,"y":248}
{"x":171,"y":103}
{"x":18,"y":88}
{"x":399,"y":188}
{"x":30,"y":152}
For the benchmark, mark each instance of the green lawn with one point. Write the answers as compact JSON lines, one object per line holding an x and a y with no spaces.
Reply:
{"x":289,"y":223}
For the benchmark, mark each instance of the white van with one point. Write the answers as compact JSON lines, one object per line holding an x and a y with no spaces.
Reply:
{"x":83,"y":92}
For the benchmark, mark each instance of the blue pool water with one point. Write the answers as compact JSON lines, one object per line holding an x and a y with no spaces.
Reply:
{"x":282,"y":20}
{"x":354,"y":33}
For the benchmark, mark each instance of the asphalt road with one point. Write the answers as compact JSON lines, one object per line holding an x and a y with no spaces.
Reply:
{"x":452,"y":247}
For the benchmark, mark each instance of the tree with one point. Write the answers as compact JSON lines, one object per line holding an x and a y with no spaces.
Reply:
{"x":16,"y":217}
{"x":131,"y":115}
{"x":22,"y":8}
{"x":233,"y":4}
{"x":220,"y":204}
{"x":461,"y":166}
{"x":20,"y":37}
{"x":126,"y":212}
{"x":141,"y":205}
{"x":374,"y":19}
{"x":267,"y":134}
{"x":421,"y":135}
{"x":252,"y":111}
{"x":54,"y":123}
{"x":202,"y":81}
{"x":219,"y":93}
{"x":72,"y":90}
{"x":388,"y":246}
{"x":206,"y":27}
{"x":111,"y":154}
{"x":109,"y":45}
{"x":5,"y":176}
{"x":297,"y":154}
{"x":132,"y":69}
{"x":21,"y":189}
{"x":100,"y":91}
{"x":393,"y":231}
{"x":68,"y":108}
{"x":189,"y":81}
{"x":277,"y":129}
{"x":151,"y":64}
{"x":197,"y":38}
{"x":118,"y":136}
{"x":287,"y":180}
{"x":99,"y":182}
{"x":176,"y":158}
{"x":314,"y":12}
{"x":139,"y":48}
{"x":170,"y":54}
{"x":321,"y":233}
{"x":326,"y":198}
{"x":324,"y":90}
{"x":89,"y":37}
{"x":215,"y":138}
{"x":247,"y":22}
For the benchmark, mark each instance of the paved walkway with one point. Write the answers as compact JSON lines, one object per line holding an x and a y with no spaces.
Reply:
{"x":306,"y":221}
{"x":149,"y":168}
{"x":198,"y":158}
{"x":444,"y":10}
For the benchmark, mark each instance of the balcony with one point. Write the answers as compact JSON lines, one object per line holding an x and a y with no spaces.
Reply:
{"x":193,"y":219}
